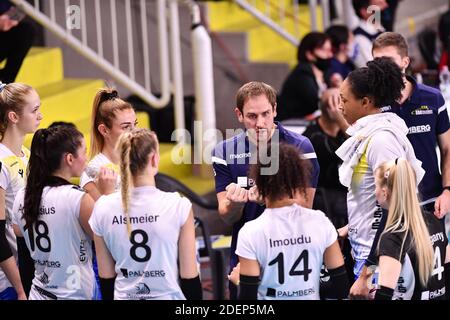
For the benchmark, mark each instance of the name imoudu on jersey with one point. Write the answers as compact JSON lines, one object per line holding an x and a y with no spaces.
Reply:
{"x":289,"y":242}
{"x":134,"y":220}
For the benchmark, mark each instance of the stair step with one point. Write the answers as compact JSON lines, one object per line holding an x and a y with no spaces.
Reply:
{"x":68,"y":100}
{"x":42,"y":66}
{"x":229,"y":17}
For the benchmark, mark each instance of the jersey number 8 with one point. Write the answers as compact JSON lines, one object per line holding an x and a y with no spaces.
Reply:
{"x":142,"y":244}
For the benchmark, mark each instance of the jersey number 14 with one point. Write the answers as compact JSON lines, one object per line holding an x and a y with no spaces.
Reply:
{"x":293,"y":271}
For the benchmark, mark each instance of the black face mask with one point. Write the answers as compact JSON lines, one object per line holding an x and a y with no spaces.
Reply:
{"x":322,"y":64}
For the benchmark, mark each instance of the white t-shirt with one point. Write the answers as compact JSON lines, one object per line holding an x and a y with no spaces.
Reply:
{"x":12,"y":179}
{"x":146,"y":262}
{"x":289,"y":244}
{"x":61,"y":250}
{"x":363,"y":45}
{"x":364,"y":212}
{"x":90,"y":174}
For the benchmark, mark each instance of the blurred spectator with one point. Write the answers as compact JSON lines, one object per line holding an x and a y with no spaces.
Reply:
{"x":343,"y":50}
{"x":444,"y":36}
{"x":368,"y":29}
{"x":327,"y":133}
{"x":16,"y":38}
{"x":301,"y":91}
{"x":388,"y":15}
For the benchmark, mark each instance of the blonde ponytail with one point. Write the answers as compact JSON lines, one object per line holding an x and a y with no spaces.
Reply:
{"x":135,"y":148}
{"x":405,"y":214}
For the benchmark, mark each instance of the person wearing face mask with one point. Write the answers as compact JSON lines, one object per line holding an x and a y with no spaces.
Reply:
{"x":302,"y":89}
{"x":343,"y":51}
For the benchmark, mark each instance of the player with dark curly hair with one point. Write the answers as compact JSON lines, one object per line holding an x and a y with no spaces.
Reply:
{"x":375,"y":137}
{"x":281,"y":252}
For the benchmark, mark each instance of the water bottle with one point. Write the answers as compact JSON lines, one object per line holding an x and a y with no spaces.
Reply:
{"x":419,"y":78}
{"x":444,"y":85}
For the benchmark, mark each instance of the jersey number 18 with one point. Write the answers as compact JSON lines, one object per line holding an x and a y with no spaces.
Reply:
{"x":42,"y":240}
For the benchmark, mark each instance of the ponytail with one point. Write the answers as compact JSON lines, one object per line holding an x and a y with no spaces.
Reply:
{"x":106,"y":103}
{"x":47,"y":150}
{"x":134,"y":148}
{"x":405,"y":214}
{"x":38,"y":173}
{"x":125,"y":176}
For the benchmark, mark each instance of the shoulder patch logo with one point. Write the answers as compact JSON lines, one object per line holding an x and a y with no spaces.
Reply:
{"x":422,"y":110}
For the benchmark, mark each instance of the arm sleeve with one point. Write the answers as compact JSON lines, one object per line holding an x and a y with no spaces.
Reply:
{"x":384,"y":293}
{"x":107,"y":288}
{"x":340,"y":286}
{"x":309,"y":153}
{"x":192,"y":288}
{"x":222,"y":174}
{"x":26,"y":264}
{"x":248,"y":287}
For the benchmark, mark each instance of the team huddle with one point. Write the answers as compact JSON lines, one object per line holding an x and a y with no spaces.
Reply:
{"x":115,"y":235}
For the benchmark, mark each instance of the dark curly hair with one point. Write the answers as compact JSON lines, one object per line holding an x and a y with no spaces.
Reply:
{"x":381,"y":81}
{"x":293,"y":174}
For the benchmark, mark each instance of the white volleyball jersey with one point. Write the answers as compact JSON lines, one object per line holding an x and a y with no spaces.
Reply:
{"x":90,"y":174}
{"x":364,"y":212}
{"x":146,"y":262}
{"x":61,"y":250}
{"x":12,"y":179}
{"x":289,"y":244}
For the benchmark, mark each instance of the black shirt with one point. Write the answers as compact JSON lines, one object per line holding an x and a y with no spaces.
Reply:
{"x":299,"y":95}
{"x":4,"y":6}
{"x":325,"y":147}
{"x":409,"y":286}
